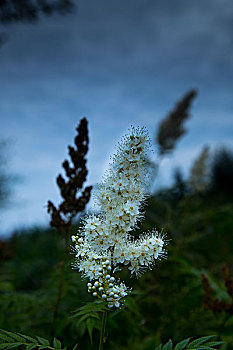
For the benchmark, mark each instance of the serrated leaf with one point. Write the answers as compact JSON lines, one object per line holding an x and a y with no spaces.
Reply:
{"x":214,"y":343}
{"x":5,"y":338}
{"x":182,"y":344}
{"x":13,"y":345}
{"x":199,"y":341}
{"x":30,"y":339}
{"x":159,"y":347}
{"x":13,"y":336}
{"x":56,"y":343}
{"x":168,"y":345}
{"x":43,"y":341}
{"x":202,"y":347}
{"x":31,"y":346}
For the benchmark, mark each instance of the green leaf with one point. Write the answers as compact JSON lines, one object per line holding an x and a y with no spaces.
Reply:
{"x":31,"y":346}
{"x":86,"y":317}
{"x":89,"y":308}
{"x":75,"y":347}
{"x":214,"y":343}
{"x":43,"y":341}
{"x":5,"y":338}
{"x":202,"y":347}
{"x":30,"y":339}
{"x":13,"y":336}
{"x":11,"y":346}
{"x":4,"y":345}
{"x":181,"y":345}
{"x":90,"y":325}
{"x":159,"y":347}
{"x":195,"y":343}
{"x":168,"y":345}
{"x":56,"y":343}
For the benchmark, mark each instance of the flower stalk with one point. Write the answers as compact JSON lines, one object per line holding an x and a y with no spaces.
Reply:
{"x":102,"y":331}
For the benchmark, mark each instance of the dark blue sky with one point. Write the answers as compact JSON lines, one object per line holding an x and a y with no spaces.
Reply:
{"x":118,"y":63}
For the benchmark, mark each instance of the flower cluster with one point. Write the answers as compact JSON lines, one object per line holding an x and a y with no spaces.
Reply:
{"x":104,"y":244}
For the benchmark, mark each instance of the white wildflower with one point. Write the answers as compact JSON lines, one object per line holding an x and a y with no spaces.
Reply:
{"x":104,"y":245}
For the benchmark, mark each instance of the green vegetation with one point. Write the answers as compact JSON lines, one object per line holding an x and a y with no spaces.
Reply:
{"x":167,"y":302}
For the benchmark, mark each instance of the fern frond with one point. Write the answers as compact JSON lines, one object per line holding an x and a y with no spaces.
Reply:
{"x":202,"y":343}
{"x":195,"y":343}
{"x":181,"y":345}
{"x":10,"y":340}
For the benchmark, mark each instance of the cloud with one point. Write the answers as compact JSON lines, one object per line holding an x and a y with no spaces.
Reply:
{"x":118,"y":63}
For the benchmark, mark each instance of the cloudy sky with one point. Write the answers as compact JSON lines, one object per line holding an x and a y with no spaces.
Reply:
{"x":117,"y":62}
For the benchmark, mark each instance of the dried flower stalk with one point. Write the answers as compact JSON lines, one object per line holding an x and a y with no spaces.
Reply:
{"x":73,"y":202}
{"x":172,"y":127}
{"x":76,"y":173}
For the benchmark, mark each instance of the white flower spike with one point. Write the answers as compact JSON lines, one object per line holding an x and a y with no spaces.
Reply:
{"x":103,"y":244}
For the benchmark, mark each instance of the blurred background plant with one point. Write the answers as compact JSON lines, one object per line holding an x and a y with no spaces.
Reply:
{"x":185,"y":296}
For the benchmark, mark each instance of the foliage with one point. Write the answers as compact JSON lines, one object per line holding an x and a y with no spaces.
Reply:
{"x":197,"y":344}
{"x":162,"y":301}
{"x":88,"y":316}
{"x":9,"y":340}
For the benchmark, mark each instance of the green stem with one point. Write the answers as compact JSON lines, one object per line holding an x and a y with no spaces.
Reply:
{"x":61,"y":280}
{"x":102,"y":331}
